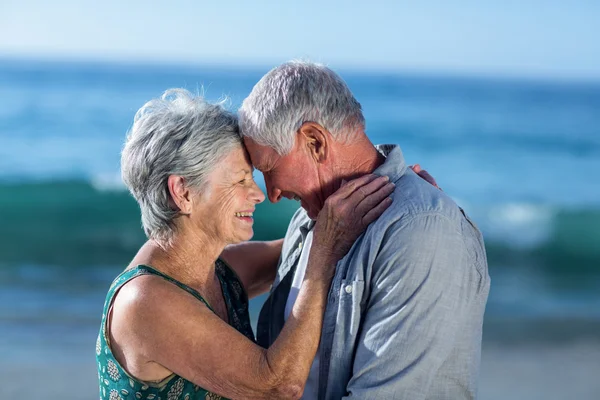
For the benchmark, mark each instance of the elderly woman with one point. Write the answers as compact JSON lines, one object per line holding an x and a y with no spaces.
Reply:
{"x":175,"y":322}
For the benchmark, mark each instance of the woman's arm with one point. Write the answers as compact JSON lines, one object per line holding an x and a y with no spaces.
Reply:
{"x":255,"y":264}
{"x":168,"y":327}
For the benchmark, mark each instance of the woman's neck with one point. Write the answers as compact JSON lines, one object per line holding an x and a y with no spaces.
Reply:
{"x":190,"y":258}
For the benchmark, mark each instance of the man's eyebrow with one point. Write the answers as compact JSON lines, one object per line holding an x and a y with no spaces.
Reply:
{"x":262,"y":167}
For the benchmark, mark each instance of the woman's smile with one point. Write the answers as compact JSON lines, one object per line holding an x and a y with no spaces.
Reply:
{"x":246,"y":216}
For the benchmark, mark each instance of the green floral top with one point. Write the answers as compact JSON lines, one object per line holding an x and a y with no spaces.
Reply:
{"x":117,"y":384}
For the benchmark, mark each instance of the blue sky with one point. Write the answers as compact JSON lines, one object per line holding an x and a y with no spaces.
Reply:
{"x":515,"y":38}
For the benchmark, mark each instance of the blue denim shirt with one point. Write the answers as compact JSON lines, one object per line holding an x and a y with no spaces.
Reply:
{"x":405,"y":309}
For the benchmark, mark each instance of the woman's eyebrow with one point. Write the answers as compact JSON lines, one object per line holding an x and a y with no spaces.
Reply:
{"x":245,"y":171}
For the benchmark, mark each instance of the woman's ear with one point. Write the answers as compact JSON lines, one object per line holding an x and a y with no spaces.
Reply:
{"x":317,"y":140}
{"x":180,"y":194}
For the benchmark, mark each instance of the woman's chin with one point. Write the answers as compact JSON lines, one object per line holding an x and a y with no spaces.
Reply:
{"x":244,"y":236}
{"x":243,"y":230}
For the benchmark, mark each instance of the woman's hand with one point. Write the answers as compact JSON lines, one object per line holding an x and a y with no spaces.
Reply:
{"x":347,"y":213}
{"x":425,"y":175}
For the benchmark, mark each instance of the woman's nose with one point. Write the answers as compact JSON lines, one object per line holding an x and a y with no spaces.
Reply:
{"x":257,"y":195}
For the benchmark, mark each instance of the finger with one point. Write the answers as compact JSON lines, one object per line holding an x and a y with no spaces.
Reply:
{"x":374,"y":199}
{"x":366,"y":190}
{"x":350,"y":187}
{"x":376,"y":211}
{"x":416,"y":168}
{"x":425,"y":175}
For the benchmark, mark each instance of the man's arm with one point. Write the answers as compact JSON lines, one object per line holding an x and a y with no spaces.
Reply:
{"x":255,"y":263}
{"x":422,"y":288}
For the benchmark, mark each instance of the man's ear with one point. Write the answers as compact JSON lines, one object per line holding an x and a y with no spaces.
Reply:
{"x":181,"y":198}
{"x":317,"y":140}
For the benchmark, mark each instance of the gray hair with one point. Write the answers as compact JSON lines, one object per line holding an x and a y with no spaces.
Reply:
{"x":176,"y":134}
{"x":292,"y":94}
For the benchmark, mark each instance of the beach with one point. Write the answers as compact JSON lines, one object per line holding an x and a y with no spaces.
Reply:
{"x":57,"y":362}
{"x":517,"y":155}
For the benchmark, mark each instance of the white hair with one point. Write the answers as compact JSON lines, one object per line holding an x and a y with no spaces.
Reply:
{"x":292,"y":94}
{"x":176,"y":134}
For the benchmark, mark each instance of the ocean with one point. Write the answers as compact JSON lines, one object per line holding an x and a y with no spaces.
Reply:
{"x":520,"y":156}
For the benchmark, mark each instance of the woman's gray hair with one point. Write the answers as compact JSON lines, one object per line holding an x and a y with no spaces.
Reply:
{"x":176,"y":134}
{"x":292,"y":94}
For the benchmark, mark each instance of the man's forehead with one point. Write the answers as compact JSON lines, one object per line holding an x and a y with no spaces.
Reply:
{"x":259,"y":154}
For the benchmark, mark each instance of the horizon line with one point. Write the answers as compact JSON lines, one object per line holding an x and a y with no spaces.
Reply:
{"x":423,"y":72}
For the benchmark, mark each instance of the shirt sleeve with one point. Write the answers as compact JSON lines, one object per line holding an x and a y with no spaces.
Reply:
{"x":422,"y":285}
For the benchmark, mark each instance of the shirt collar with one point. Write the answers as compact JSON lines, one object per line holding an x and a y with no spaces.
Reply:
{"x":394,"y":166}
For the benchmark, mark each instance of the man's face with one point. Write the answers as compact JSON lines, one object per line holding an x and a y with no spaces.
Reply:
{"x":293,"y":176}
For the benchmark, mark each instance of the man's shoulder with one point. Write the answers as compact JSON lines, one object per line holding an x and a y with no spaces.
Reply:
{"x":414,"y":198}
{"x":420,"y":214}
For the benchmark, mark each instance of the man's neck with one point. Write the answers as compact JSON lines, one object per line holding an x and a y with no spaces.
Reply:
{"x":358,"y":159}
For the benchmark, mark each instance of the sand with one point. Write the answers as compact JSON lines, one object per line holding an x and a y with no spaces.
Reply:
{"x":559,"y":371}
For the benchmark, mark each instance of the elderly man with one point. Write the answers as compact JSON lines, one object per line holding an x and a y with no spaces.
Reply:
{"x":405,"y":310}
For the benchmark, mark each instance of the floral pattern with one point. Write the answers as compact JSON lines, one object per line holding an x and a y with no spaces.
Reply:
{"x":175,"y":390}
{"x":116,"y":384}
{"x":113,"y":371}
{"x":236,"y":299}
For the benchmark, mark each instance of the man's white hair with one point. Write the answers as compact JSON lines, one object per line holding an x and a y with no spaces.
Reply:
{"x":292,"y":94}
{"x":176,"y":134}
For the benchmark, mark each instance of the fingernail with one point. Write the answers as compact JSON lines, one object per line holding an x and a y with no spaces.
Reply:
{"x":386,"y":178}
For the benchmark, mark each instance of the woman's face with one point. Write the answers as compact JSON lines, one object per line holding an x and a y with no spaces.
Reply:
{"x":226,"y":204}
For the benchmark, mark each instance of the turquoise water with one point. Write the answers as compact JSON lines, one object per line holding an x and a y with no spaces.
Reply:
{"x":521,"y":157}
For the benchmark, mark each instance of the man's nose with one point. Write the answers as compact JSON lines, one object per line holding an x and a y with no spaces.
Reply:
{"x":273,"y":193}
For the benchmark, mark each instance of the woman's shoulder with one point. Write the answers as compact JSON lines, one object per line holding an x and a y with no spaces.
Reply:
{"x":154,"y":293}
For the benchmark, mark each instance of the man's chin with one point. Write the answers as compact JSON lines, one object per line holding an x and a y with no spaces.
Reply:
{"x":312,"y":214}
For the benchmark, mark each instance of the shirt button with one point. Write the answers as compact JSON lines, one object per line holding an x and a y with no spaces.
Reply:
{"x":348,"y":289}
{"x":300,"y":246}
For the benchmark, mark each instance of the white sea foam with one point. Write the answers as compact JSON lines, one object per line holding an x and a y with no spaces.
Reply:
{"x":108,"y":183}
{"x":521,"y":225}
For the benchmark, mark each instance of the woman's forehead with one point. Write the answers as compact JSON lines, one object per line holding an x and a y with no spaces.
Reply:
{"x":235,"y":163}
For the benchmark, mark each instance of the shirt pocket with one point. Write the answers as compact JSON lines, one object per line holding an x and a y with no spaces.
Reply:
{"x":351,"y":307}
